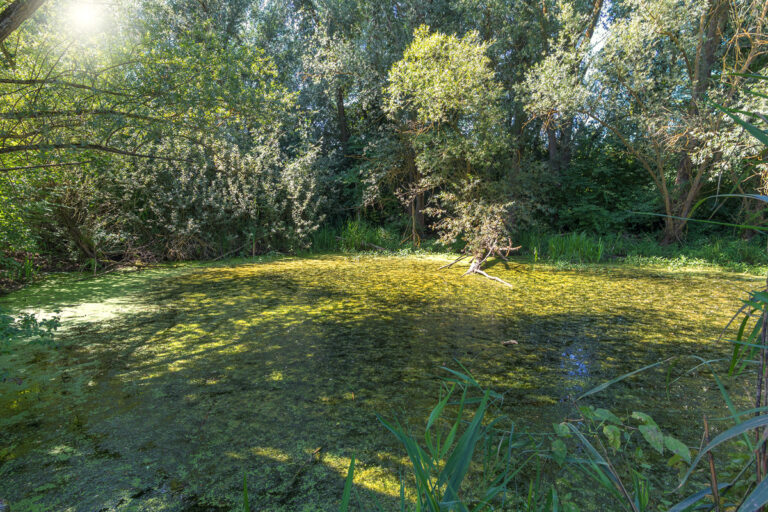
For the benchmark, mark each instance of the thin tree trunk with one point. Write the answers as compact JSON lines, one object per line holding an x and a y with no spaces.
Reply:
{"x":341,"y":117}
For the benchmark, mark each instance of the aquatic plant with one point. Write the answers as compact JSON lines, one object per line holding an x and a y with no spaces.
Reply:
{"x":177,"y":377}
{"x":441,"y":458}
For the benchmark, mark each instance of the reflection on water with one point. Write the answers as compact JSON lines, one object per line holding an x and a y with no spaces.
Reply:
{"x":575,"y":362}
{"x":167,"y":385}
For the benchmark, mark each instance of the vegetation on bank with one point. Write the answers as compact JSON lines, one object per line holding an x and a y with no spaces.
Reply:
{"x":702,"y":249}
{"x":168,"y":130}
{"x":571,"y":250}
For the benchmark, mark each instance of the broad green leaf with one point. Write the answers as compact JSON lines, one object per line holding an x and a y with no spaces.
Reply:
{"x":613,"y":434}
{"x":644,"y":418}
{"x":561,"y":429}
{"x":606,"y":415}
{"x":653,"y":435}
{"x":678,"y":448}
{"x":559,"y":451}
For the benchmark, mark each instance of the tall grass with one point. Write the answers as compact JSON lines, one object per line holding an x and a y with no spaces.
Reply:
{"x":576,"y":248}
{"x":730,"y":253}
{"x":356,"y":236}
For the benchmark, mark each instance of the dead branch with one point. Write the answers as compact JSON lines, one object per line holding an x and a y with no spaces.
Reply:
{"x":493,"y":278}
{"x":453,"y":262}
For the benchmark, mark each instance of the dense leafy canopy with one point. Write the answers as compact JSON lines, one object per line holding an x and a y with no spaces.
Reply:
{"x":179,"y":129}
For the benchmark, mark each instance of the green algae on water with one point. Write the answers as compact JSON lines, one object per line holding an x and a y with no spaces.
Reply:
{"x":167,"y":385}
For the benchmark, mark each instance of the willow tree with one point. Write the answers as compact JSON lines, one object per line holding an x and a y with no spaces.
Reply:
{"x":89,"y":119}
{"x":446,"y":100}
{"x":648,"y":84}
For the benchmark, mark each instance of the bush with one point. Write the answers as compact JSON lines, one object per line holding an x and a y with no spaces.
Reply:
{"x":217,"y":199}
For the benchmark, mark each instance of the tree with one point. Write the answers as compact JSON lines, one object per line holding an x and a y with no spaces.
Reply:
{"x":648,"y":85}
{"x":444,"y":96}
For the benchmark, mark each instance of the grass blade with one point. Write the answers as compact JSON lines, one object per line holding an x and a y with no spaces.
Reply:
{"x":348,"y":487}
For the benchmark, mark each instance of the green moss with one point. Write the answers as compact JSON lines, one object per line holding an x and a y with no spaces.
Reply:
{"x":168,"y":384}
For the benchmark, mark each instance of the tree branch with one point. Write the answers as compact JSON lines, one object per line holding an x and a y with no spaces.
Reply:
{"x":42,"y":81}
{"x":84,"y":146}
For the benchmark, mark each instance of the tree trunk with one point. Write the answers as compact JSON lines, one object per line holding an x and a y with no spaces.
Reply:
{"x":341,"y":118}
{"x":417,"y":216}
{"x":15,"y":14}
{"x":560,"y":147}
{"x":416,"y":205}
{"x":553,"y":149}
{"x":673,"y":230}
{"x":712,"y":35}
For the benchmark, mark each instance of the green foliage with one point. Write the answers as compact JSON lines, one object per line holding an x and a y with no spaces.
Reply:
{"x":17,"y":270}
{"x":727,"y":252}
{"x":444,"y":82}
{"x":575,"y":247}
{"x":355,"y":236}
{"x":441,"y":460}
{"x":220,"y":199}
{"x":246,"y":507}
{"x":445,"y":95}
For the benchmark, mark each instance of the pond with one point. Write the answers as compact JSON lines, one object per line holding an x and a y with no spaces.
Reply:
{"x":167,"y":385}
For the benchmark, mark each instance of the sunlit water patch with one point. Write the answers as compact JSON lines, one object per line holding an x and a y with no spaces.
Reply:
{"x":168,"y":385}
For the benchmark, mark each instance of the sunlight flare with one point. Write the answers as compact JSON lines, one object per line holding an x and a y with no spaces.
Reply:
{"x":85,"y":17}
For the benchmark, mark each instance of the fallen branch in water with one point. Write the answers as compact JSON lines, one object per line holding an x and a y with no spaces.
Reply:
{"x":493,"y":278}
{"x":476,"y":263}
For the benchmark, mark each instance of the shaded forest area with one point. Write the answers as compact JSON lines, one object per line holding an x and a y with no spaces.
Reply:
{"x":179,"y":129}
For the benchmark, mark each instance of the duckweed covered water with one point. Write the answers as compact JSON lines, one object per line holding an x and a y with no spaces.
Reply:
{"x":168,"y":384}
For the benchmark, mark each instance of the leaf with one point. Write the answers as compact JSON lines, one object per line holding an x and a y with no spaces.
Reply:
{"x":348,"y":487}
{"x":606,"y":415}
{"x":653,"y":435}
{"x":678,"y":448}
{"x":559,"y":451}
{"x":693,"y":498}
{"x":752,"y":129}
{"x":587,"y":411}
{"x":457,"y":465}
{"x":726,"y":436}
{"x":757,"y":498}
{"x":605,"y":385}
{"x":439,"y":408}
{"x":644,"y":418}
{"x":561,"y":429}
{"x":613,"y":434}
{"x":246,"y":506}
